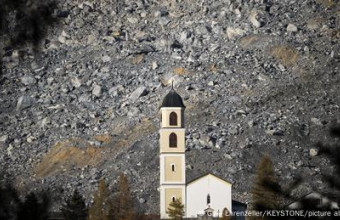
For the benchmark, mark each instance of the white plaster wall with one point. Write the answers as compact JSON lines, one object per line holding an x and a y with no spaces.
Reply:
{"x":163,"y":168}
{"x":197,"y":191}
{"x":162,"y":188}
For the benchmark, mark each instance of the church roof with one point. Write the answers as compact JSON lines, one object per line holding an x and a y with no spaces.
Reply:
{"x":209,"y":174}
{"x":172,"y":99}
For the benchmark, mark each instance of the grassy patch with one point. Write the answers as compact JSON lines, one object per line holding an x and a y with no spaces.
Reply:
{"x":285,"y":54}
{"x":326,"y":3}
{"x":137,"y":59}
{"x":127,"y":137}
{"x":213,"y":68}
{"x":247,"y":41}
{"x":180,"y":71}
{"x":64,"y":156}
{"x":75,"y":153}
{"x":105,"y":138}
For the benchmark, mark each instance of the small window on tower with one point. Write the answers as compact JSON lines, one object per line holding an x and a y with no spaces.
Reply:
{"x":208,"y":199}
{"x":173,"y":140}
{"x":173,"y":198}
{"x":173,"y":167}
{"x":173,"y":118}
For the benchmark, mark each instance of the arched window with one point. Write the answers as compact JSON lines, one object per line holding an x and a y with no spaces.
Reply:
{"x":173,"y":167}
{"x":173,"y":140}
{"x":173,"y":198}
{"x":173,"y":118}
{"x":208,"y":199}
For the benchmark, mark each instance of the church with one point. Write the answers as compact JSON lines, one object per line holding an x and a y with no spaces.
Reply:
{"x":206,"y":195}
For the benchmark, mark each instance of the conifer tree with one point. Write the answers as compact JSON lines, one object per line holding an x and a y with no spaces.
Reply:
{"x":176,"y":209}
{"x":25,"y":22}
{"x":101,"y":206}
{"x":74,"y":207}
{"x":34,"y":208}
{"x":125,"y":207}
{"x":9,"y":201}
{"x":265,"y":190}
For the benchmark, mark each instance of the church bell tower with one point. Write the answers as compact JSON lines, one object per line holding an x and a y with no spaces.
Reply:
{"x":172,"y":152}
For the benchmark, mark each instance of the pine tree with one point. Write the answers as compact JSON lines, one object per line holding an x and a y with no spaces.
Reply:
{"x":176,"y":210}
{"x":125,"y":207}
{"x":29,"y":208}
{"x":9,"y":201}
{"x":225,"y":214}
{"x":34,"y":208}
{"x":100,"y":209}
{"x":74,"y":207}
{"x":265,"y":189}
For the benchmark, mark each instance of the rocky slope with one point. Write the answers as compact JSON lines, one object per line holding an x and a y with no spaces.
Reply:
{"x":257,"y":77}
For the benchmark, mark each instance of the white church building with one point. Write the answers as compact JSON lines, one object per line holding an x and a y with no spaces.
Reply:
{"x":206,"y":195}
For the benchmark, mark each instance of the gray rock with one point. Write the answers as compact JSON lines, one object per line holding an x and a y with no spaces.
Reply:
{"x":184,"y":36}
{"x":106,"y":59}
{"x":140,"y":91}
{"x":4,"y":138}
{"x":157,"y":13}
{"x":133,"y":112}
{"x":202,"y":30}
{"x":9,"y":150}
{"x":253,"y":19}
{"x":233,"y":33}
{"x":233,"y":130}
{"x":292,"y":28}
{"x":316,"y":121}
{"x":228,"y":156}
{"x":24,"y":102}
{"x":204,"y":140}
{"x":189,"y":167}
{"x":76,"y":82}
{"x":241,"y":112}
{"x":276,"y":132}
{"x":299,"y":163}
{"x":231,"y":170}
{"x":154,"y":65}
{"x":132,"y":20}
{"x":251,"y":123}
{"x":97,"y":91}
{"x":45,"y":121}
{"x":313,"y":24}
{"x":313,"y":152}
{"x":63,"y":37}
{"x":164,"y":21}
{"x":28,"y":80}
{"x":211,"y":83}
{"x":50,"y":80}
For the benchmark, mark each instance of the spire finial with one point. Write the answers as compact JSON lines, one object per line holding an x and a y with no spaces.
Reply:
{"x":172,"y":84}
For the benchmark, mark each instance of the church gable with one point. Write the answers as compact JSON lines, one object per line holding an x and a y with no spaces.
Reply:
{"x":210,"y":176}
{"x":208,"y":192}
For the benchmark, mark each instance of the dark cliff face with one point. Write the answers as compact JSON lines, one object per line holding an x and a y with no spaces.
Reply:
{"x":256,"y":77}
